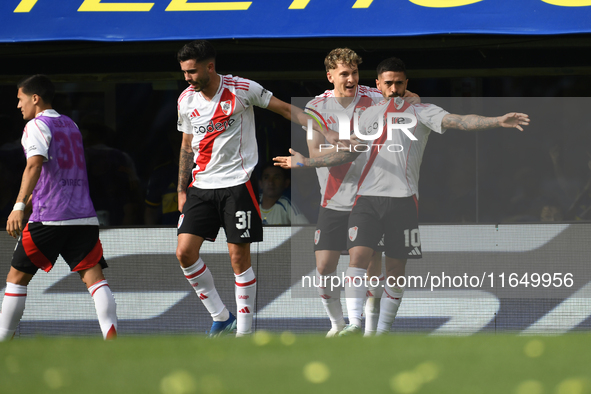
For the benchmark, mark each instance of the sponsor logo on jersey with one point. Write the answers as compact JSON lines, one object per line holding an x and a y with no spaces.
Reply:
{"x":194,"y":114}
{"x":264,"y":91}
{"x":316,"y":237}
{"x":353,"y":233}
{"x":70,"y":182}
{"x":31,"y":148}
{"x":226,"y":107}
{"x":211,"y":127}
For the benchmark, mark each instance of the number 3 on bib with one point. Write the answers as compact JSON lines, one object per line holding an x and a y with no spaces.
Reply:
{"x":243,"y":220}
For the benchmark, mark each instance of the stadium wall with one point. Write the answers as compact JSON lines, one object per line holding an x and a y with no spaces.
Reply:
{"x":496,"y":266}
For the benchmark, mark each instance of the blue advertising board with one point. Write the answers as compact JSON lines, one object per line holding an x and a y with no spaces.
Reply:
{"x":145,"y":20}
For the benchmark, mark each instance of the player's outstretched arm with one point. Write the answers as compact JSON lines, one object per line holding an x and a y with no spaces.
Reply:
{"x":185,"y":168}
{"x":14,"y":224}
{"x":296,"y":115}
{"x":476,"y":122}
{"x":297,"y":160}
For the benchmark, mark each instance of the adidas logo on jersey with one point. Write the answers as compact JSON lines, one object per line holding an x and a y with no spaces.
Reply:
{"x":245,"y":234}
{"x":194,"y":114}
{"x":415,"y":252}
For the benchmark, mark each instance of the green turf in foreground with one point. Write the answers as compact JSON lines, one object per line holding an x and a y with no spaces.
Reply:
{"x":286,"y":363}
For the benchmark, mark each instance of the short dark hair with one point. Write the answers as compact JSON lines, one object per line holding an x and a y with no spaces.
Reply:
{"x":271,"y":164}
{"x":198,"y":50}
{"x":40,"y":85}
{"x":391,"y":64}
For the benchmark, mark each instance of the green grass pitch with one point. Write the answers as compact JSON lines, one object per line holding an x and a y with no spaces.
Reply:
{"x":274,"y":363}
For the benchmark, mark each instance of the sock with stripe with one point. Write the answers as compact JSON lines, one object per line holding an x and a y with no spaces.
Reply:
{"x":13,"y":306}
{"x":199,"y":276}
{"x":389,"y":305}
{"x":246,"y":288}
{"x":355,"y":291}
{"x":372,"y":307}
{"x":106,"y":308}
{"x":331,"y":300}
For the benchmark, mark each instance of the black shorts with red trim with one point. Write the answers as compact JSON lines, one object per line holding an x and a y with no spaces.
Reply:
{"x":40,"y":245}
{"x":234,"y":208}
{"x":331,"y":231}
{"x":394,"y":217}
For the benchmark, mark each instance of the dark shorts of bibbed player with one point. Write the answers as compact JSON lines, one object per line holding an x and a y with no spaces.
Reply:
{"x":40,"y":245}
{"x":395,"y":218}
{"x":234,"y":208}
{"x":331,"y":231}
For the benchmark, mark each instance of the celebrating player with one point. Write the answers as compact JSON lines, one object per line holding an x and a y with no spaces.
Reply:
{"x":338,"y":184}
{"x":387,"y":201}
{"x":63,"y":221}
{"x":217,"y":120}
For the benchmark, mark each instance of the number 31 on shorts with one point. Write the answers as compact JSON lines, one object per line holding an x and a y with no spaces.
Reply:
{"x":412,"y":237}
{"x":243,"y":220}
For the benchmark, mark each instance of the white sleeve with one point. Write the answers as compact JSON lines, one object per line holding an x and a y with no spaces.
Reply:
{"x":36,"y":139}
{"x":183,"y":123}
{"x":297,"y":217}
{"x":431,"y":116}
{"x":255,"y":94}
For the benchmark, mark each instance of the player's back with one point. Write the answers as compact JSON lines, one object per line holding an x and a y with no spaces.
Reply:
{"x":62,"y":190}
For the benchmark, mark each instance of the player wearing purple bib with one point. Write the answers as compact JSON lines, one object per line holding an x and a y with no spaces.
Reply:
{"x":63,"y":221}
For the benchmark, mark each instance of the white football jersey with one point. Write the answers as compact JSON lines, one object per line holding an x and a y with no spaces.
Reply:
{"x":338,"y":184}
{"x":392,"y":165}
{"x":224,"y":140}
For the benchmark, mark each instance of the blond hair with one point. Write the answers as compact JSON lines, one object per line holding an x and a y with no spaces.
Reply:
{"x":341,"y":55}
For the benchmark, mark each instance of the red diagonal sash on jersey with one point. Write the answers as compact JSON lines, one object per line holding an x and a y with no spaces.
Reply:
{"x":380,"y":141}
{"x":337,"y":174}
{"x":206,"y":144}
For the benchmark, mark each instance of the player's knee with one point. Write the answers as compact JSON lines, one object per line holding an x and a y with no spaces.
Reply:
{"x":186,"y":256}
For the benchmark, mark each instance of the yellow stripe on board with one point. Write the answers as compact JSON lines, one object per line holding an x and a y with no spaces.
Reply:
{"x":298,"y":4}
{"x":25,"y":5}
{"x":362,"y":3}
{"x":97,"y":6}
{"x":443,"y":3}
{"x":569,"y":3}
{"x":182,"y":5}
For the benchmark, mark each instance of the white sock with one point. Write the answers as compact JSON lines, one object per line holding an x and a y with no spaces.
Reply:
{"x":106,"y":308}
{"x":389,"y":307}
{"x":13,"y":307}
{"x":355,"y":291}
{"x":331,"y":299}
{"x":246,"y":289}
{"x":199,"y":276}
{"x":372,"y":307}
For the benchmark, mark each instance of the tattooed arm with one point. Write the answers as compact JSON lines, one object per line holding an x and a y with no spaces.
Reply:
{"x":297,"y":160}
{"x":14,"y":224}
{"x":476,"y":122}
{"x":185,"y":169}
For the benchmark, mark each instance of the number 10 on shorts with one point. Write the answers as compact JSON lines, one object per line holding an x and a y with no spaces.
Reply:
{"x":243,"y":220}
{"x":412,"y":237}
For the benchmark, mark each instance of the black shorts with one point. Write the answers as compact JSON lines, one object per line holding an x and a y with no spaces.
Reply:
{"x":234,"y":208}
{"x":39,"y":247}
{"x":395,"y":218}
{"x":331,"y":231}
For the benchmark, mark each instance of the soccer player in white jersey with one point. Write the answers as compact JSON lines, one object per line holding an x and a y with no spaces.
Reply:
{"x":217,"y":121}
{"x":63,"y":220}
{"x":387,"y":201}
{"x":338,"y":185}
